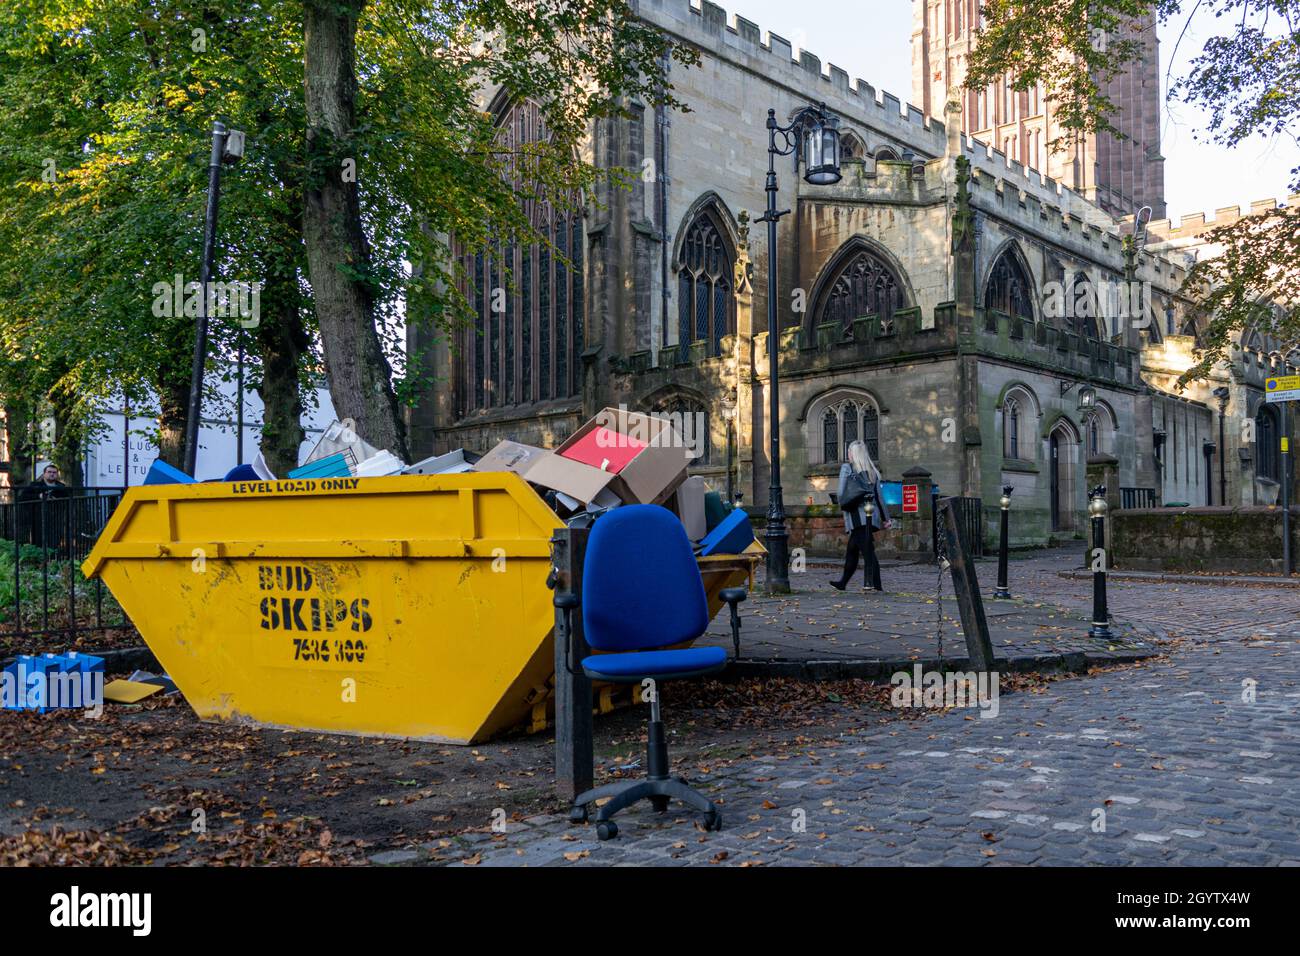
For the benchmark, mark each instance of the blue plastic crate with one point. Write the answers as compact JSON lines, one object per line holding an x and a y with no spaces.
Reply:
{"x":29,"y":693}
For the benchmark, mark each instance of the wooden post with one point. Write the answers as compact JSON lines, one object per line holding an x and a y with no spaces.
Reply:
{"x":966,"y":587}
{"x":574,"y":760}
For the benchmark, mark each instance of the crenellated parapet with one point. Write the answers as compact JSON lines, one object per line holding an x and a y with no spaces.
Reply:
{"x":709,"y":27}
{"x":1196,"y":225}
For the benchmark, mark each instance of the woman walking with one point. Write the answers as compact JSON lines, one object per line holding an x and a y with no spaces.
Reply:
{"x":855,"y":518}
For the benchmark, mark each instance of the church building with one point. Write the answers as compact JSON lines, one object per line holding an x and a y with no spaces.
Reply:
{"x":968,"y":304}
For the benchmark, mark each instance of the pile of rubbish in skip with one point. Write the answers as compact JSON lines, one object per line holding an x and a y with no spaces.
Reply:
{"x":619,"y":457}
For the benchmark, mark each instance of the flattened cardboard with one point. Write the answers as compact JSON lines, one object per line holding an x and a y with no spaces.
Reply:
{"x":655,"y":472}
{"x":128,"y":691}
{"x":509,"y":456}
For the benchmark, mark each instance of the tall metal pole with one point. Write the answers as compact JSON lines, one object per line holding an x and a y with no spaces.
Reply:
{"x":776,"y":535}
{"x":1287,"y":566}
{"x":219,"y":133}
{"x":239,"y":408}
{"x":126,"y":441}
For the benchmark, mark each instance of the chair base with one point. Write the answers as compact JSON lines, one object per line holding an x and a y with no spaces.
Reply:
{"x":659,"y":788}
{"x":627,"y":792}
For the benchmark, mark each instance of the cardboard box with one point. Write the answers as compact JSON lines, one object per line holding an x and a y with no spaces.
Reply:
{"x":509,"y":456}
{"x":573,"y":478}
{"x":655,"y":471}
{"x":604,"y":449}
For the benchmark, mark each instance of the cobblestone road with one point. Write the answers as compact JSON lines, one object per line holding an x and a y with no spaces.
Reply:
{"x":1191,"y":758}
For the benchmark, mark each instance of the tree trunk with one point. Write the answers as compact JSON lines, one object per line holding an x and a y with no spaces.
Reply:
{"x":283,"y":341}
{"x":69,"y":431}
{"x":173,"y":402}
{"x":338,"y":254}
{"x":18,"y":426}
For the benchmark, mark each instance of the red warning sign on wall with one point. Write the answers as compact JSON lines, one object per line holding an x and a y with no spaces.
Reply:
{"x":911,"y":500}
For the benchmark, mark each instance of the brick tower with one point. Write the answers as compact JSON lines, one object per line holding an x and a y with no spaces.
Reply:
{"x":1120,"y":175}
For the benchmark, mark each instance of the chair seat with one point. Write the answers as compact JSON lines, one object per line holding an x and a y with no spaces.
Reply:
{"x":659,"y":665}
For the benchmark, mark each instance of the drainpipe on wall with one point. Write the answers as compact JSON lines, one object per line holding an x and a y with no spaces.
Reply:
{"x":661,"y":185}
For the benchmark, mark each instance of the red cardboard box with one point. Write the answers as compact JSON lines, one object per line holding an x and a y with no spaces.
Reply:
{"x":657,"y":466}
{"x":604,"y":449}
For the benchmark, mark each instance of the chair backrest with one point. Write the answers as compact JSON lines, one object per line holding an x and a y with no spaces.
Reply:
{"x":641,"y":587}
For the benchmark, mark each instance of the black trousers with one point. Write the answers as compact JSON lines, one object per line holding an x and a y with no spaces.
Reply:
{"x":870,"y":566}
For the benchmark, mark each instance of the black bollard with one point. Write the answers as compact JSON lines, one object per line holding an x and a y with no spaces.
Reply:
{"x":1100,"y":613}
{"x":869,"y":506}
{"x":1002,"y":592}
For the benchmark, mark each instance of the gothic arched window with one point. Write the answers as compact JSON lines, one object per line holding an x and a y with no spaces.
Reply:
{"x":691,"y":421}
{"x":1092,"y":433}
{"x":845,"y":420}
{"x":1011,"y":428}
{"x":705,"y":266}
{"x":1083,"y":307}
{"x":1020,"y":411}
{"x":524,"y":341}
{"x":1009,"y":288}
{"x":865,"y":286}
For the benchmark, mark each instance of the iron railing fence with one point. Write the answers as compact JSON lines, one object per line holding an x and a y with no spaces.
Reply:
{"x":47,"y":534}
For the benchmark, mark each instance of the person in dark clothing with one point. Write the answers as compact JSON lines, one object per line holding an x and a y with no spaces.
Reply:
{"x":855,"y":520}
{"x":39,"y":524}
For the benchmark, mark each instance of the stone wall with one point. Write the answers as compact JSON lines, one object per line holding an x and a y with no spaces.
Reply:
{"x":1201,"y":539}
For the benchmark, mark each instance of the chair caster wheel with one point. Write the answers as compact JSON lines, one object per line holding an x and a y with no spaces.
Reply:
{"x":578,"y":814}
{"x":713,"y":820}
{"x":606,"y":830}
{"x":660,"y":804}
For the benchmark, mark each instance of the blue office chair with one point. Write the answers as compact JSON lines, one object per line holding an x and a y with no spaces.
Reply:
{"x":641,"y":593}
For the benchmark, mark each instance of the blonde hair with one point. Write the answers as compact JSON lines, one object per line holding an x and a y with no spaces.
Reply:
{"x":860,"y":459}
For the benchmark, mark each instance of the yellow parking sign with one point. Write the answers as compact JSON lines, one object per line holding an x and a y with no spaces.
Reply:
{"x":1283,"y":388}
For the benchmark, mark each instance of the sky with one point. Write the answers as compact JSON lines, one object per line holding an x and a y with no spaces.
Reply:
{"x":872,"y":39}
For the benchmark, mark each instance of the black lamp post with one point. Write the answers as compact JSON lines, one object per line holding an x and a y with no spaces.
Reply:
{"x":1002,"y":591}
{"x":872,"y":566}
{"x":227,"y":147}
{"x":813,"y":136}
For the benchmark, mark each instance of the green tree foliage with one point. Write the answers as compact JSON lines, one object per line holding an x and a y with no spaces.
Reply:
{"x":103,"y":156}
{"x":103,"y":176}
{"x":1247,"y":78}
{"x":429,"y":165}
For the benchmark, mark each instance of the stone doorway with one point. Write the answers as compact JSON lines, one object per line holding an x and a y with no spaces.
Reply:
{"x":1062,"y":457}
